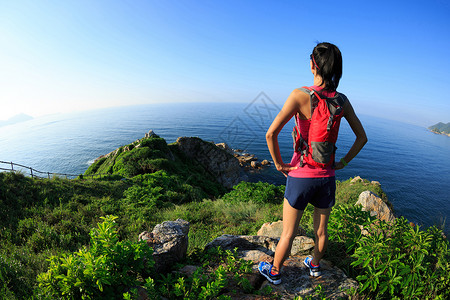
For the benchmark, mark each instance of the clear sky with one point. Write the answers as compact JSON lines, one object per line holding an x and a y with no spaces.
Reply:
{"x":62,"y":56}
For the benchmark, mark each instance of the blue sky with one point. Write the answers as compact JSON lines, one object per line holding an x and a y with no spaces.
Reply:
{"x":62,"y":56}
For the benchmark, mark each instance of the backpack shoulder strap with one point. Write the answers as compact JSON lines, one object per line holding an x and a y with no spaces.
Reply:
{"x":307,"y":90}
{"x":342,"y":99}
{"x":314,"y":97}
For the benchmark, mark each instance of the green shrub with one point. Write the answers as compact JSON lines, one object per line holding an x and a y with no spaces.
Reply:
{"x":156,"y":188}
{"x":346,"y":225}
{"x":260,"y":192}
{"x":399,"y":261}
{"x":219,"y":269}
{"x":134,"y":162}
{"x":156,"y":143}
{"x":104,"y":270}
{"x":390,"y":260}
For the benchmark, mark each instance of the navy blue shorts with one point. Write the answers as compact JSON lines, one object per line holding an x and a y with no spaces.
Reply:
{"x":320,"y":192}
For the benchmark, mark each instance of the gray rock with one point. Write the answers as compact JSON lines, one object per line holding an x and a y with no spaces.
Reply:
{"x":245,"y":158}
{"x":217,"y":161}
{"x":255,"y":164}
{"x":356,"y":179}
{"x":264,"y":244}
{"x":254,"y":255}
{"x":225,"y":147}
{"x":377,"y":207}
{"x":275,"y":229}
{"x":150,"y":134}
{"x":302,"y":245}
{"x":245,"y":242}
{"x":169,"y":241}
{"x":265,"y":162}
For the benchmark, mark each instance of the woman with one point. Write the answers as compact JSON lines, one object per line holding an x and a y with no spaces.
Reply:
{"x":307,"y":183}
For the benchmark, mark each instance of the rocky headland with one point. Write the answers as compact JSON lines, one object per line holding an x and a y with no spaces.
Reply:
{"x":226,"y":165}
{"x":440,"y":128}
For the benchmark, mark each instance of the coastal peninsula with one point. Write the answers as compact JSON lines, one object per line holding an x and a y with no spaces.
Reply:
{"x":441,"y":128}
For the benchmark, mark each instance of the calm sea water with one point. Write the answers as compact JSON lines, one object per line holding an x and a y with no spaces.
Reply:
{"x":411,"y":163}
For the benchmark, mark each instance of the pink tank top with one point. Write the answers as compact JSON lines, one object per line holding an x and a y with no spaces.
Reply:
{"x":308,"y":171}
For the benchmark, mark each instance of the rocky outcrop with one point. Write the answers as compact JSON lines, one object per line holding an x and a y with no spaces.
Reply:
{"x":225,"y":147}
{"x":264,"y":244}
{"x":377,"y":207}
{"x":169,"y":241}
{"x":296,"y":280}
{"x":216,"y":160}
{"x":249,"y":161}
{"x":150,"y":134}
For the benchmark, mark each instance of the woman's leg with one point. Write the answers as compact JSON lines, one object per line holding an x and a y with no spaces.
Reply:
{"x":321,"y":216}
{"x":291,"y":218}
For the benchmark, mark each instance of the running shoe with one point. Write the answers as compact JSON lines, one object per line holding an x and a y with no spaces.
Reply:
{"x":313,"y":271}
{"x":265,"y":268}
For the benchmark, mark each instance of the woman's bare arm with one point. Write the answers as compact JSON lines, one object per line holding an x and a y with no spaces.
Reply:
{"x":358,"y":130}
{"x":292,"y":105}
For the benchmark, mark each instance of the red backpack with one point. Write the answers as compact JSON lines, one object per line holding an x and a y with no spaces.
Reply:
{"x":326,"y":113}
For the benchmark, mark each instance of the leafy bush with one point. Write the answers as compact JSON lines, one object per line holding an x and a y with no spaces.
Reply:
{"x":104,"y":270}
{"x":260,"y":192}
{"x":390,"y":260}
{"x":347,"y":223}
{"x":16,"y":273}
{"x":159,"y":187}
{"x":219,"y":269}
{"x":399,"y":261}
{"x":137,"y":161}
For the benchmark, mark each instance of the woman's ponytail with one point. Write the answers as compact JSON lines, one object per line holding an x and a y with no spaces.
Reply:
{"x":328,"y":61}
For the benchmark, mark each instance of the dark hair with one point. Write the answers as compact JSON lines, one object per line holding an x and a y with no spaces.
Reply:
{"x":328,"y":61}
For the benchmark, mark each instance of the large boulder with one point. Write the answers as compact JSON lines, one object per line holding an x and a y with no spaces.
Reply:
{"x":215,"y":159}
{"x":376,"y":206}
{"x":275,"y":229}
{"x":169,"y":241}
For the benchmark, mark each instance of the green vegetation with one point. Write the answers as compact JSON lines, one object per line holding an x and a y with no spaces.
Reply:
{"x":107,"y":268}
{"x":440,"y":128}
{"x":48,"y":248}
{"x":149,"y":155}
{"x":390,"y":260}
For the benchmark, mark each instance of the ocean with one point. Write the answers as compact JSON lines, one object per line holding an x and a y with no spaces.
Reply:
{"x":411,"y":163}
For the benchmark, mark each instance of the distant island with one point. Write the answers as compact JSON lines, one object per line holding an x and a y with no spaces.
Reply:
{"x":16,"y":119}
{"x":441,"y":128}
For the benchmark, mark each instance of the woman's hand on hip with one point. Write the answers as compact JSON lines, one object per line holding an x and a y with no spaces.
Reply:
{"x":338,"y":165}
{"x":285,"y":168}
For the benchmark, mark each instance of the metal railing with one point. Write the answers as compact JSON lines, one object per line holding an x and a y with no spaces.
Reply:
{"x":13,"y":167}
